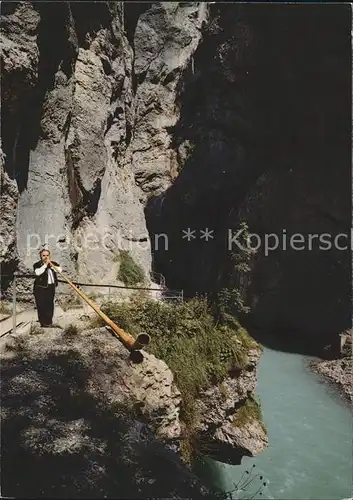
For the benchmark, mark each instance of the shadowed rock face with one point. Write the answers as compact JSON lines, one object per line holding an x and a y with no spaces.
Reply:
{"x":79,"y":420}
{"x":263,"y":137}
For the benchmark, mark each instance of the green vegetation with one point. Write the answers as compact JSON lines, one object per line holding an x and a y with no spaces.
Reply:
{"x":18,"y":345}
{"x":224,"y":390}
{"x":130,"y":273}
{"x":70,"y":302}
{"x":70,"y":331}
{"x":140,"y":295}
{"x":250,"y":410}
{"x":5,"y":308}
{"x":96,"y":321}
{"x":230,"y":301}
{"x":35,"y":330}
{"x":199,"y":350}
{"x":242,"y":257}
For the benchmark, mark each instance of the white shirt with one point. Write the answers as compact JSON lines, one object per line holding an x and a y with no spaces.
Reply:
{"x":51,"y":280}
{"x":41,"y":270}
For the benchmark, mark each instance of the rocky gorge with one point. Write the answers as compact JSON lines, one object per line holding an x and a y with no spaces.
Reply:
{"x":126,"y":124}
{"x":149,"y":119}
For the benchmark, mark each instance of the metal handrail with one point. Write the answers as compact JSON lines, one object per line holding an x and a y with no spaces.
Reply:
{"x":28,"y":275}
{"x":159,"y":278}
{"x":164,"y":291}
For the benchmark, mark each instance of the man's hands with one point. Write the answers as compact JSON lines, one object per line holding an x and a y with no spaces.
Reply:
{"x":49,"y":264}
{"x":47,"y":261}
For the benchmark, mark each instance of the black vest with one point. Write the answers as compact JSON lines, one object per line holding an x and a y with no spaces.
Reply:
{"x":42,"y":280}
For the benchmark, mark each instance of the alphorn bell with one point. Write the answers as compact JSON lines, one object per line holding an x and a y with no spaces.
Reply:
{"x":128,"y":340}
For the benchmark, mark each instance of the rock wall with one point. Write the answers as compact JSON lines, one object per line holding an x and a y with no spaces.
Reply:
{"x":19,"y":56}
{"x":8,"y":219}
{"x":88,"y":97}
{"x":223,"y":436}
{"x":263,"y":138}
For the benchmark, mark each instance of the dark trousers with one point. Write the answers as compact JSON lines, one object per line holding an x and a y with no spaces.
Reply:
{"x":45,"y":303}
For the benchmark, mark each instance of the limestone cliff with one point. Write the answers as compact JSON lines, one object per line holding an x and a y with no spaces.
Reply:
{"x":88,"y":96}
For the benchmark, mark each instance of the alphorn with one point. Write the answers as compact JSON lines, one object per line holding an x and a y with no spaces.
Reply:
{"x":128,"y":340}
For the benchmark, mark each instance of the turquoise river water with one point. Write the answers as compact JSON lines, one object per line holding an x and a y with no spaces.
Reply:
{"x":309,"y":425}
